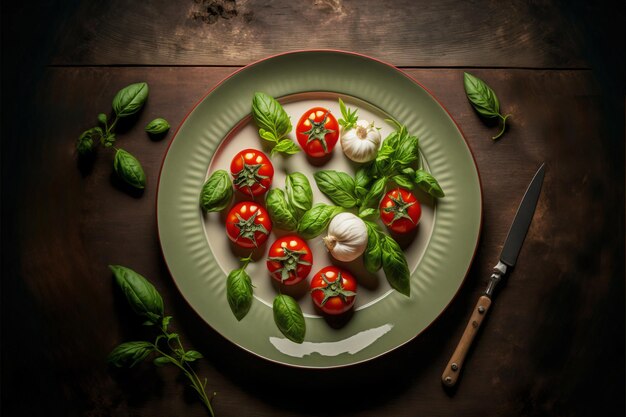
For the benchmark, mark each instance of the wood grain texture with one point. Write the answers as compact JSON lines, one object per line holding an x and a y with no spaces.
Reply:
{"x":403,"y":32}
{"x":552,"y":344}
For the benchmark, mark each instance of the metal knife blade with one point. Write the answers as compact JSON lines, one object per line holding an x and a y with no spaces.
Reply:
{"x":523,"y":217}
{"x":508,"y":257}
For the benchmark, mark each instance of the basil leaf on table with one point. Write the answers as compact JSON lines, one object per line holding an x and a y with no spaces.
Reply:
{"x":239,"y":292}
{"x":85,"y":143}
{"x":428,"y":183}
{"x":289,"y":318}
{"x":130,"y":99}
{"x":280,"y":211}
{"x":372,"y":257}
{"x":483,"y":99}
{"x":157,"y":126}
{"x":338,"y":186}
{"x":316,"y":220}
{"x":216,"y":192}
{"x":143,"y":298}
{"x":130,"y":353}
{"x":128,"y":168}
{"x":395,"y":265}
{"x":299,"y":193}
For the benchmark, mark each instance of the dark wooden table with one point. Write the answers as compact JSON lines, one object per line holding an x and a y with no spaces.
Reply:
{"x":554,"y":342}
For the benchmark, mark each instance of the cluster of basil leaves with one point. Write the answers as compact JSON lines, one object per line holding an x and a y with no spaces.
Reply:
{"x":274,"y":123}
{"x":484,"y":100}
{"x":128,"y":101}
{"x":167,"y":347}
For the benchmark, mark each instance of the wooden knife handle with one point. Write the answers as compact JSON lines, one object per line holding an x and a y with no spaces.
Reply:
{"x":453,"y":369}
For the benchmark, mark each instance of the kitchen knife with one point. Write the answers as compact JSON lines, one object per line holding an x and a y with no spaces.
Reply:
{"x":508,"y":257}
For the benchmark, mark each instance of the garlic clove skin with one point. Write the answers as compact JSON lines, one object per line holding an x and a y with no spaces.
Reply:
{"x":347,"y":237}
{"x":361,"y":142}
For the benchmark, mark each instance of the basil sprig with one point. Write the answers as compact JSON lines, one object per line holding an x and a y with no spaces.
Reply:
{"x":167,"y":347}
{"x":239,"y":290}
{"x":127,"y":101}
{"x":273,"y":122}
{"x":484,"y":100}
{"x":216,"y":192}
{"x":289,"y":318}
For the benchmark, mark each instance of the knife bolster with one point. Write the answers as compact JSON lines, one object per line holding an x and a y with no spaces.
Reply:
{"x":498,"y":271}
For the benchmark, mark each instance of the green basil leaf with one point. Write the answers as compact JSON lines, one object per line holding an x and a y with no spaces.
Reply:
{"x":406,"y":151}
{"x":481,"y":96}
{"x":191,"y":355}
{"x":315,"y":220}
{"x":128,"y":168}
{"x":85,"y":142}
{"x":130,"y":99}
{"x":375,"y":193}
{"x":270,"y":116}
{"x":403,"y":181}
{"x":239,"y":292}
{"x":130,"y":353}
{"x":143,"y":298}
{"x":299,"y":193}
{"x":161,"y":361}
{"x":286,"y":146}
{"x":372,"y":257}
{"x":280,"y":211}
{"x":108,"y":140}
{"x":428,"y":183}
{"x":349,"y":117}
{"x":102,"y":118}
{"x":395,"y":265}
{"x":289,"y":318}
{"x":157,"y":126}
{"x":367,"y":212}
{"x":216,"y":192}
{"x":338,"y":186}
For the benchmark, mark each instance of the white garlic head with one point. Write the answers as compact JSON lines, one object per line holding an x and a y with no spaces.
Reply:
{"x":347,"y":237}
{"x":361,"y":142}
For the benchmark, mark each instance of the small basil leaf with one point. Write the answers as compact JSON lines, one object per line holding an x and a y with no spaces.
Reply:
{"x":338,"y":186}
{"x":279,"y":210}
{"x":270,"y":116}
{"x":375,"y":193}
{"x":216,"y":192}
{"x":157,"y":126}
{"x":143,"y":298}
{"x":130,"y":353}
{"x":85,"y":142}
{"x":428,"y":183}
{"x":239,"y":292}
{"x":299,"y":193}
{"x":268,"y":136}
{"x":285,"y":146}
{"x":395,"y":265}
{"x":367,"y":212}
{"x":108,"y":140}
{"x":289,"y":318}
{"x":372,"y":257}
{"x":161,"y":361}
{"x":128,"y":168}
{"x":481,"y":96}
{"x":130,"y":99}
{"x":403,"y":181}
{"x":191,"y":355}
{"x":102,"y":118}
{"x":315,"y":220}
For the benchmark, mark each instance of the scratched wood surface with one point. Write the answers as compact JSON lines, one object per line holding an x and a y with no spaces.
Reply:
{"x":554,"y":341}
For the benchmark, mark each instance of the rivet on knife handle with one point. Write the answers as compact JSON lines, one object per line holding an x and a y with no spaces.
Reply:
{"x":451,"y":373}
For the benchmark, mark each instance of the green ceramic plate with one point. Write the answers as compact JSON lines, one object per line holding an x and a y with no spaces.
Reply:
{"x":200,"y":256}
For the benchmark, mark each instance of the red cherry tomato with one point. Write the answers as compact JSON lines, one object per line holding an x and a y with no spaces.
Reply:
{"x":400,"y":210}
{"x":289,"y":260}
{"x":248,"y":224}
{"x":252,"y":172}
{"x":333,"y":290}
{"x":317,"y":132}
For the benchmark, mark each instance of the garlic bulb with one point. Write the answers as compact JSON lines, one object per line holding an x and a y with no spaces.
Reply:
{"x":361,"y":142}
{"x":347,"y":237}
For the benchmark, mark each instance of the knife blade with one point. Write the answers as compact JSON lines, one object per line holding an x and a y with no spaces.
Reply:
{"x":508,"y":258}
